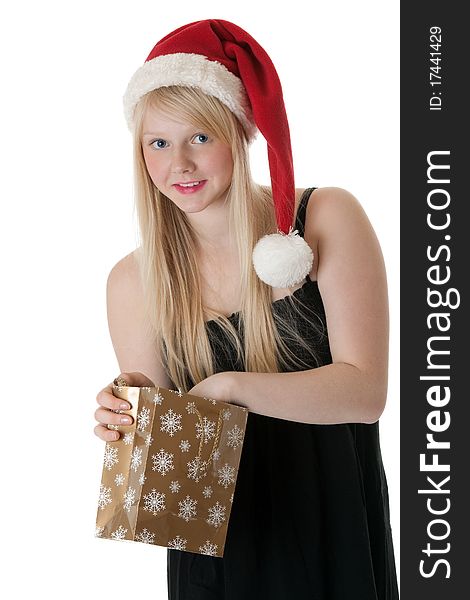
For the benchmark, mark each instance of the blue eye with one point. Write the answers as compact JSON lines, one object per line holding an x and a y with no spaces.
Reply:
{"x":201,"y":135}
{"x":159,"y":143}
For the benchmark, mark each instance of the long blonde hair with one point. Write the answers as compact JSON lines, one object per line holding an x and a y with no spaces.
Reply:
{"x":167,"y":254}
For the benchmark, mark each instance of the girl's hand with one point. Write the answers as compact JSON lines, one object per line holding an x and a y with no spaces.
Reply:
{"x":109,"y":403}
{"x":217,"y":387}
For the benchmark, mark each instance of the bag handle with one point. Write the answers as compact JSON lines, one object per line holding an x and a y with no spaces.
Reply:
{"x":202,"y":465}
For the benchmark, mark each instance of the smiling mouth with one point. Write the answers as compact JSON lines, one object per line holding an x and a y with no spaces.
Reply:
{"x":189,"y":184}
{"x":190,"y":187}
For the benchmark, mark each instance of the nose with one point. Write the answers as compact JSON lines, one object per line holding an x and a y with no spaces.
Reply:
{"x":181,"y":162}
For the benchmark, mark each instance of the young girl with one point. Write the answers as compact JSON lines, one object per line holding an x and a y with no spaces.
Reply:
{"x":273,"y":298}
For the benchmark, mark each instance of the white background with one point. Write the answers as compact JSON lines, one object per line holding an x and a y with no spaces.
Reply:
{"x":67,"y":217}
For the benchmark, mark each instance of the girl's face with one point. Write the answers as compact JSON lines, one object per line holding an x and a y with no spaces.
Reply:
{"x":177,"y":152}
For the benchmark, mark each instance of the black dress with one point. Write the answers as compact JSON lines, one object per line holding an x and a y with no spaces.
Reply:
{"x":310,"y":514}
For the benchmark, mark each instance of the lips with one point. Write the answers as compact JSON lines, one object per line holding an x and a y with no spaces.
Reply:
{"x":190,"y":187}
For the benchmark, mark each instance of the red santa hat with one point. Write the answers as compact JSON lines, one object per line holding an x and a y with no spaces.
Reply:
{"x":224,"y":61}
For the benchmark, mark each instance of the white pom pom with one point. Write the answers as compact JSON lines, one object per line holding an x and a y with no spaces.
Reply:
{"x":282,"y":260}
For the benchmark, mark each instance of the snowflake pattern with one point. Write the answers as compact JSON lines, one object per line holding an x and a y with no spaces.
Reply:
{"x":187,"y":508}
{"x":177,"y":543}
{"x":209,"y":548}
{"x":154,"y":502}
{"x":162,"y":462}
{"x":213,"y":508}
{"x":216,"y":514}
{"x":191,"y":408}
{"x":158,"y":398}
{"x":119,"y":533}
{"x":206,"y":430}
{"x":196,"y":469}
{"x":175,"y":487}
{"x":143,"y":419}
{"x":110,"y":457}
{"x":99,"y":531}
{"x":226,"y":475}
{"x":119,"y":479}
{"x":171,"y":422}
{"x":129,"y":498}
{"x":128,"y":438}
{"x":104,"y":497}
{"x":136,"y":458}
{"x":235,"y":437}
{"x":145,"y":536}
{"x":185,"y":445}
{"x":226,"y":414}
{"x":207,"y":492}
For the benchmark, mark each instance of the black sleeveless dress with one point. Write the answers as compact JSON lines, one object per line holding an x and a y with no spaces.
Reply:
{"x":310,"y":514}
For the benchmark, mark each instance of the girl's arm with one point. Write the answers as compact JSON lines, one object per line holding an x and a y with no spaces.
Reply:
{"x":352,"y":282}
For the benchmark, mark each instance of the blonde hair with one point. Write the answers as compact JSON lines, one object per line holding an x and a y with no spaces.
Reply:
{"x":167,"y":254}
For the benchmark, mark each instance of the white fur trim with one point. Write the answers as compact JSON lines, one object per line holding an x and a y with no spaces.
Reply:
{"x":282,"y":260}
{"x":191,"y":70}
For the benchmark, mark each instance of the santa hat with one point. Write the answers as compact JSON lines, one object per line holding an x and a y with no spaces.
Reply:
{"x":224,"y":61}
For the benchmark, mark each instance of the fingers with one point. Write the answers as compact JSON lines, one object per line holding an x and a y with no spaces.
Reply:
{"x":106,"y":399}
{"x":105,"y":434}
{"x":108,"y":413}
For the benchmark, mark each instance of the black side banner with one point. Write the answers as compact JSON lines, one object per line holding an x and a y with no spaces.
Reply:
{"x":435,"y":357}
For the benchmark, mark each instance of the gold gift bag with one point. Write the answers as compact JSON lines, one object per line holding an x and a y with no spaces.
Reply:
{"x":170,"y":478}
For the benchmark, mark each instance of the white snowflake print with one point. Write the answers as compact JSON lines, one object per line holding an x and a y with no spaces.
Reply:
{"x":143,"y":419}
{"x":171,"y":422}
{"x":196,"y":469}
{"x":207,"y":492}
{"x":128,"y":438}
{"x":104,"y":497}
{"x":216,"y":454}
{"x":136,"y":458}
{"x":145,"y":536}
{"x":187,"y":508}
{"x":148,"y":440}
{"x":191,"y":408}
{"x":179,"y":393}
{"x":177,"y":543}
{"x":158,"y":398}
{"x":235,"y":437}
{"x":99,"y":531}
{"x":110,"y":457}
{"x":226,"y":475}
{"x":119,"y":479}
{"x":175,"y":487}
{"x":129,"y":498}
{"x":119,"y":534}
{"x":216,"y":515}
{"x":146,"y":389}
{"x":185,"y":445}
{"x":209,"y":548}
{"x":142,"y":478}
{"x":231,"y":498}
{"x":154,"y":502}
{"x":162,"y":462}
{"x":206,"y":430}
{"x":226,"y":414}
{"x":212,"y":401}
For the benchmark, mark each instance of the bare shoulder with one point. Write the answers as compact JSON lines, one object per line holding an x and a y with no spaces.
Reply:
{"x":125,"y":272}
{"x":334,"y":214}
